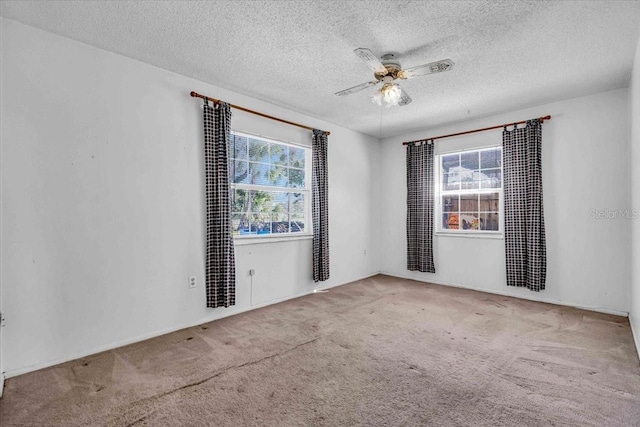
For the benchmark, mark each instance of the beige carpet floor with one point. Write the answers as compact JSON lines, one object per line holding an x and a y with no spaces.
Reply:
{"x":377,"y":352}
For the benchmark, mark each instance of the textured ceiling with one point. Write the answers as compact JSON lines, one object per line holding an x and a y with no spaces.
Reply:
{"x":297,"y":54}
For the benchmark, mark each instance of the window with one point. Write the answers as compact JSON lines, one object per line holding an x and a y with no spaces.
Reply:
{"x":469,"y":191}
{"x":270,"y":187}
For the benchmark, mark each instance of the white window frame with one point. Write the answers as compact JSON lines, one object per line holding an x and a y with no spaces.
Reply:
{"x":272,"y":237}
{"x":438,"y":193}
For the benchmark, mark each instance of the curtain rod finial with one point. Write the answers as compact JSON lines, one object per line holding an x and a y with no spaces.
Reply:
{"x":194,"y":94}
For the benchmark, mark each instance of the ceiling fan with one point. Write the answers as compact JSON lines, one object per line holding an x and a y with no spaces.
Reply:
{"x":387,"y":70}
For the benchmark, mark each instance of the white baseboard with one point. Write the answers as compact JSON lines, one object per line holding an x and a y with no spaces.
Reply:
{"x":1,"y":384}
{"x":513,"y":295}
{"x":212,"y":317}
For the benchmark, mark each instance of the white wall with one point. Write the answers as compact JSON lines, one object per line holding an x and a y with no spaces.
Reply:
{"x":585,"y":166}
{"x":102,"y":202}
{"x":634,"y":96}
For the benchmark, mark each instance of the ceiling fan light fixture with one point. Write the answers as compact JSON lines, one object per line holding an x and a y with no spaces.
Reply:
{"x":377,"y":98}
{"x":388,"y":95}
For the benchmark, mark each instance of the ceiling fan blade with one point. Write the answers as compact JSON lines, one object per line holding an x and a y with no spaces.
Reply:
{"x":357,"y":88}
{"x":423,"y":70}
{"x":371,"y":60}
{"x":404,"y":98}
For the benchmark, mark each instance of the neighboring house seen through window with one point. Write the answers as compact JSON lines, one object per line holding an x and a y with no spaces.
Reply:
{"x":270,"y":186}
{"x":469,"y":191}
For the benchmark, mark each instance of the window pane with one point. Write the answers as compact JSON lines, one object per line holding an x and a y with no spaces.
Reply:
{"x":296,"y":157}
{"x":470,"y":161}
{"x":470,"y":180}
{"x":296,"y":178}
{"x":279,"y":176}
{"x":258,"y":174}
{"x":239,"y":200}
{"x":240,"y":223}
{"x":450,"y":221}
{"x":258,"y":150}
{"x":238,"y":147}
{"x":489,"y":202}
{"x":260,"y":201}
{"x":297,"y":222}
{"x":450,"y":162}
{"x":491,"y":178}
{"x":451,"y":181}
{"x":490,"y":159}
{"x":469,"y":221}
{"x":280,"y":222}
{"x":279,"y":154}
{"x":489,"y":221}
{"x":239,"y":172}
{"x":450,"y":203}
{"x":260,"y":222}
{"x":468,"y":203}
{"x":279,"y":202}
{"x":297,"y":203}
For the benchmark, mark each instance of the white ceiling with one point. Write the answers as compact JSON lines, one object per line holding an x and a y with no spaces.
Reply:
{"x":297,"y":54}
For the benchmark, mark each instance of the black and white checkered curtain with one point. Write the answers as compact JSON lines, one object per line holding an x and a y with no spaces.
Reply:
{"x":420,"y":207}
{"x":523,"y":211}
{"x":220,"y":267}
{"x":319,"y":206}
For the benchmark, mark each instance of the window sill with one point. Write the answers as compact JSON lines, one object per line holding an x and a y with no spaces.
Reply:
{"x":471,"y":234}
{"x":255,"y":240}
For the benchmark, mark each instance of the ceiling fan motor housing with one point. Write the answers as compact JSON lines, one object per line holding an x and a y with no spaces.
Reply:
{"x":392,"y":65}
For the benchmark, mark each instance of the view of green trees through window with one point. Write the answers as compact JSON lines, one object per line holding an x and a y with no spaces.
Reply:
{"x":269,"y":191}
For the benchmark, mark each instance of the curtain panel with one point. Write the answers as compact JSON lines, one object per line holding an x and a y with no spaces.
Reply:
{"x":220,"y":273}
{"x":420,"y":207}
{"x":525,"y":245}
{"x":319,"y":206}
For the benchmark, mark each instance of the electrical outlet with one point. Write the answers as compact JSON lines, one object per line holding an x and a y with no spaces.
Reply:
{"x":192,"y":282}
